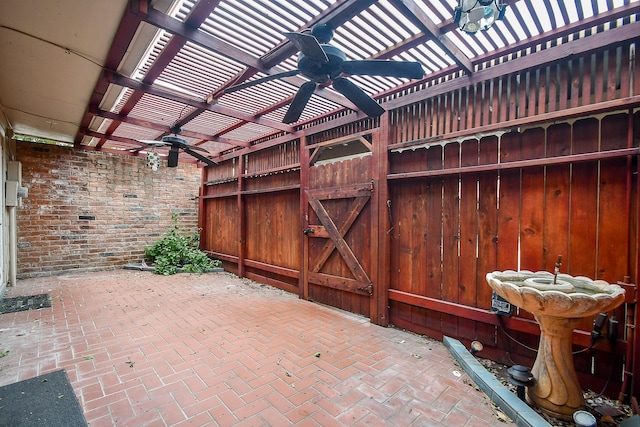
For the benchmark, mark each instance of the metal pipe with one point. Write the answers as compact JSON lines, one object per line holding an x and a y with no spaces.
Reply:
{"x":13,"y":247}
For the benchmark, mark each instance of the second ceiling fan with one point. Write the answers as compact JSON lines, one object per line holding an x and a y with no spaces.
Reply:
{"x":324,"y":64}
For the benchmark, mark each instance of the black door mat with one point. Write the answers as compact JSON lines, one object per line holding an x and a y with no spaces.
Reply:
{"x":46,"y":400}
{"x":29,"y":302}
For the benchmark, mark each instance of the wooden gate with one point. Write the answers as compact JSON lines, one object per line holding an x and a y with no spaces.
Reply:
{"x":338,"y":228}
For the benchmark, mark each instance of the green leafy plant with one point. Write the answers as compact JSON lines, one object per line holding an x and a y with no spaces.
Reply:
{"x":178,"y":249}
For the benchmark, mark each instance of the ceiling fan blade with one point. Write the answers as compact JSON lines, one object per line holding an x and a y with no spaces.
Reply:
{"x":185,"y":146}
{"x":308,"y":45}
{"x":299,"y":102}
{"x":151,"y":142}
{"x":382,"y":67}
{"x":356,"y":95}
{"x":250,"y":83}
{"x":147,"y":144}
{"x":199,"y":156}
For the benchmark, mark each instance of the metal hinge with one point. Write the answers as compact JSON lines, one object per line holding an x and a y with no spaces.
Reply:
{"x":368,"y":288}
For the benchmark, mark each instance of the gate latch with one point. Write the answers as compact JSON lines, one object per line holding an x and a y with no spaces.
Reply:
{"x":368,"y":288}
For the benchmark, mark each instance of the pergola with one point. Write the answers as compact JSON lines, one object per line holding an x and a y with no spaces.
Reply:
{"x":168,"y":64}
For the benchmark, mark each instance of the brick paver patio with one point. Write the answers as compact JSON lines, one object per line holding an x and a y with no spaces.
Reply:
{"x":148,"y":350}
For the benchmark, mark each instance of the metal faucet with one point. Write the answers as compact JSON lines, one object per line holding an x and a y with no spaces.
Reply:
{"x":557,"y":269}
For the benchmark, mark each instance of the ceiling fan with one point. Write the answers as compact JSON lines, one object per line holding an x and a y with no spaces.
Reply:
{"x":176,"y":144}
{"x":324,"y":64}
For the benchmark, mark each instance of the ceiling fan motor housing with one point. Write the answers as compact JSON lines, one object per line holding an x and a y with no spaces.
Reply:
{"x":172,"y":160}
{"x":171,"y":139}
{"x":322,"y":71}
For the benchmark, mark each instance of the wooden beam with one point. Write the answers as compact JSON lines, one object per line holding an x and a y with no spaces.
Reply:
{"x":538,"y":59}
{"x":282,"y":271}
{"x":288,"y":287}
{"x":125,"y":81}
{"x":272,"y":190}
{"x":164,"y":128}
{"x":415,"y":14}
{"x":344,"y":192}
{"x":223,"y":257}
{"x":546,"y":161}
{"x":119,"y":47}
{"x":209,"y":42}
{"x":482,"y":315}
{"x":353,"y":137}
{"x":195,"y":18}
{"x":338,"y":282}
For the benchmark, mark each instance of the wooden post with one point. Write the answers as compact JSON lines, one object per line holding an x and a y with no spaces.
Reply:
{"x":201,"y":213}
{"x":242,"y":229}
{"x":380,"y":224}
{"x":303,"y":282}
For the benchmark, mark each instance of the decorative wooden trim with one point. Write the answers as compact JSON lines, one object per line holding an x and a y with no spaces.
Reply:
{"x":270,"y":171}
{"x":343,"y":248}
{"x":552,"y":117}
{"x":288,"y":287}
{"x":345,"y":192}
{"x":547,"y":161}
{"x":272,"y":190}
{"x":222,"y":257}
{"x":256,"y":191}
{"x":221,"y":196}
{"x":481,"y":315}
{"x":340,"y":283}
{"x":358,"y":136}
{"x":283,"y":271}
{"x":326,"y":251}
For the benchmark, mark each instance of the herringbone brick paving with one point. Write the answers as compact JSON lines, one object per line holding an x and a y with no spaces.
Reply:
{"x":209,"y":350}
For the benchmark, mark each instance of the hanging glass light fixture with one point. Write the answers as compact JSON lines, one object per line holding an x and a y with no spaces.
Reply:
{"x":153,"y":160}
{"x":474,"y":15}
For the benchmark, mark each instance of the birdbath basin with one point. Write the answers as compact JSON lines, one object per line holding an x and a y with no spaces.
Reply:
{"x":558,"y":307}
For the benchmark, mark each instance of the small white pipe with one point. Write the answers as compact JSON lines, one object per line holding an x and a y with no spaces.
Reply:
{"x":13,"y":247}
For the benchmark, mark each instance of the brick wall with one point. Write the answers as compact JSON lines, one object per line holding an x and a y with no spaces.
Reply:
{"x":90,"y":210}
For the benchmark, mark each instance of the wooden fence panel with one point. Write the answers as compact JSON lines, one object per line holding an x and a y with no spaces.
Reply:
{"x":272,"y":221}
{"x":612,"y":239}
{"x":584,"y":201}
{"x":532,"y":202}
{"x":509,"y":207}
{"x":432,"y":234}
{"x":220,"y":233}
{"x":401,"y":262}
{"x":450,"y":237}
{"x":487,"y":228}
{"x":468,"y":236}
{"x":582,"y":258}
{"x":556,"y":198}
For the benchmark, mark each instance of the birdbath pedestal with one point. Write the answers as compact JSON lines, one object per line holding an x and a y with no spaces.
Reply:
{"x":558,"y":305}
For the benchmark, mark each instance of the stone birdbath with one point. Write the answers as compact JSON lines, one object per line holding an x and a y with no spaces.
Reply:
{"x":558,"y":303}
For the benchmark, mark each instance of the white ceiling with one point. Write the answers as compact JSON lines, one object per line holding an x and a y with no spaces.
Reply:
{"x":51,"y":53}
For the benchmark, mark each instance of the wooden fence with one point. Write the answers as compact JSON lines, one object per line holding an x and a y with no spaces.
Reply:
{"x":506,"y":172}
